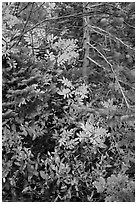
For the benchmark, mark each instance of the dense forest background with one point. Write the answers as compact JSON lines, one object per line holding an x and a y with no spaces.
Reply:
{"x":68,"y":83}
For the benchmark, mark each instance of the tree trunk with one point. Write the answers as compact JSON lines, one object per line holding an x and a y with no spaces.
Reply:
{"x":86,"y":40}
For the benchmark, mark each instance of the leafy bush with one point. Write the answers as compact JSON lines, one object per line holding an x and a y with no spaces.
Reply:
{"x":67,"y":137}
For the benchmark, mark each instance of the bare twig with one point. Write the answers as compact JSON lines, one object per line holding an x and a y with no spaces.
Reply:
{"x":39,"y":6}
{"x":111,"y":36}
{"x":25,"y":25}
{"x":127,"y":84}
{"x":32,"y":46}
{"x":129,"y":25}
{"x":24,"y":8}
{"x":97,"y":50}
{"x":80,"y":14}
{"x":113,"y":73}
{"x":95,"y":62}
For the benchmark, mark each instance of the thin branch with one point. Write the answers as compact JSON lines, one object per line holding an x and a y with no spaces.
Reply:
{"x":32,"y":43}
{"x":98,"y":51}
{"x":80,"y":14}
{"x":95,"y":62}
{"x":113,"y":73}
{"x":38,"y":6}
{"x":122,"y":91}
{"x":23,"y":8}
{"x":112,"y":36}
{"x":129,"y":25}
{"x":86,"y":39}
{"x":56,"y":19}
{"x":25,"y":25}
{"x":127,"y":84}
{"x":96,"y":31}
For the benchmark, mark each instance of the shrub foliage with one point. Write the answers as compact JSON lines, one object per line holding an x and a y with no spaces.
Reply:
{"x":68,"y":102}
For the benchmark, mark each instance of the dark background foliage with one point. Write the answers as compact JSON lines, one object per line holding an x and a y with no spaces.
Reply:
{"x":68,"y":83}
